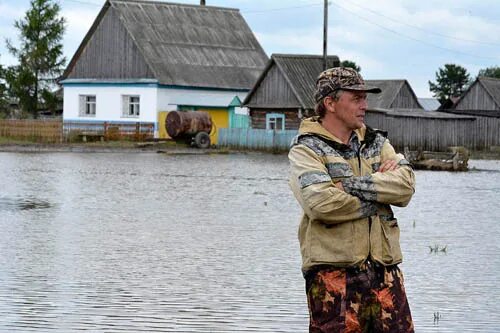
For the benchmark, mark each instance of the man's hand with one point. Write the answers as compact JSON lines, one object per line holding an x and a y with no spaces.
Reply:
{"x":389,"y":165}
{"x":339,"y":186}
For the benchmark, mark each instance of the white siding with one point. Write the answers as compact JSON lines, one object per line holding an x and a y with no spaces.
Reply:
{"x":109,"y":102}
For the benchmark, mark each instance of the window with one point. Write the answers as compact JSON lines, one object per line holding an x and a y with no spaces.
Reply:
{"x":131,"y":106}
{"x":275,"y":121}
{"x":87,"y":105}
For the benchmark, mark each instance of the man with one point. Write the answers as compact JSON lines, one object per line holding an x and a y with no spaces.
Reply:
{"x":346,"y":176}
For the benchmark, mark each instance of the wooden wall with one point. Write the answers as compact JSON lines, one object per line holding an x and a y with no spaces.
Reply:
{"x":437,"y":133}
{"x":405,"y":99}
{"x":258,"y":118}
{"x":274,"y":91}
{"x":110,"y":53}
{"x":476,"y":99}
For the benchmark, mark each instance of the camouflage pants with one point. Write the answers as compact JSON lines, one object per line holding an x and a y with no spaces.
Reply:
{"x":370,"y":298}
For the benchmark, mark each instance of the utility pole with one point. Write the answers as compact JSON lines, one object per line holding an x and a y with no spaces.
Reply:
{"x":325,"y":35}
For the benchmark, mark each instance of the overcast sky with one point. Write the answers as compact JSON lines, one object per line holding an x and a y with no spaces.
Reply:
{"x":389,"y":39}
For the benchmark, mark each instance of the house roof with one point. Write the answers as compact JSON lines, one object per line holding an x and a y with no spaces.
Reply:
{"x":189,"y":45}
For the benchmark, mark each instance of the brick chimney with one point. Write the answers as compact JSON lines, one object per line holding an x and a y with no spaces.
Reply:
{"x":202,"y":2}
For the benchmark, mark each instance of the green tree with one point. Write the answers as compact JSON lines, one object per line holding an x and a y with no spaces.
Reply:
{"x":40,"y":54}
{"x":3,"y":94}
{"x":490,"y":72}
{"x":350,"y":64}
{"x":451,"y":81}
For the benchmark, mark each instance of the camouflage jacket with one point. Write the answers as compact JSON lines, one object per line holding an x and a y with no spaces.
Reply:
{"x":344,"y":228}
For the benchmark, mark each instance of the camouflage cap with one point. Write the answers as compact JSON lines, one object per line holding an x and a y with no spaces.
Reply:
{"x":340,"y":78}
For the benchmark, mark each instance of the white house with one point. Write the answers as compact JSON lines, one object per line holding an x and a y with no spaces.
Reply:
{"x":140,"y":58}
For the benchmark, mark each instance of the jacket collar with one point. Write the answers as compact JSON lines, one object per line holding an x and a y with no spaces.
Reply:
{"x":312,"y":127}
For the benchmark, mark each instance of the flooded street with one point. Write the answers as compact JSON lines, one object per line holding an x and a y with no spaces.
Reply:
{"x":208,"y":243}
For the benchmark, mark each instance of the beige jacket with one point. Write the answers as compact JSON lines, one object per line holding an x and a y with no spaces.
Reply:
{"x":345,"y":228}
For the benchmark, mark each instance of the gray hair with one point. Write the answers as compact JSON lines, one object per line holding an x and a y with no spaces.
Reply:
{"x":320,"y":109}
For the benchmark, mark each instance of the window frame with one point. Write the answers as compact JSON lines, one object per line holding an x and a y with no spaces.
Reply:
{"x":130,"y":107}
{"x":271,"y":118}
{"x":86,"y":105}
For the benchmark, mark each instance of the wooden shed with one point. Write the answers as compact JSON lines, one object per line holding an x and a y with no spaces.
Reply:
{"x":482,"y":95}
{"x":283,"y":94}
{"x":395,"y":95}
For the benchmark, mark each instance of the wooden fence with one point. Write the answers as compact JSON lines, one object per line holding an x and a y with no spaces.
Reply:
{"x":417,"y":130}
{"x":437,"y":133}
{"x":46,"y":131}
{"x":55,"y":131}
{"x":258,"y":139}
{"x":74,"y":131}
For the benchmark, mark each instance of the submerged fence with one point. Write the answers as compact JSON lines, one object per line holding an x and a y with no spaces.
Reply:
{"x":258,"y":139}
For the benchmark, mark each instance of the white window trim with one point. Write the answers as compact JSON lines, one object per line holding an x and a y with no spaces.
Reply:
{"x":85,"y":104}
{"x":127,"y":103}
{"x":270,"y":117}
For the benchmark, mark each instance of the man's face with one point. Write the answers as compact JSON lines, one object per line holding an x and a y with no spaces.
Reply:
{"x":350,"y":109}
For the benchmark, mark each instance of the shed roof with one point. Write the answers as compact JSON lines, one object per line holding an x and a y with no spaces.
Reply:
{"x":429,"y":104}
{"x":300,"y":71}
{"x":189,"y":45}
{"x":419,"y":113}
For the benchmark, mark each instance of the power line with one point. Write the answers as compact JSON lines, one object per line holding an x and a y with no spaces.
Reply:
{"x":424,"y":30}
{"x":85,"y":3}
{"x":282,"y":8}
{"x":409,"y":37}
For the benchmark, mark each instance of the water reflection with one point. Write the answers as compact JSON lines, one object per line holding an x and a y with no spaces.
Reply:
{"x":13,"y":204}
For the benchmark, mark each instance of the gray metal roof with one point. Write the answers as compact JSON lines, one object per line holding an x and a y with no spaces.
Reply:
{"x":190,"y":45}
{"x":429,"y":104}
{"x":419,"y":113}
{"x":301,"y":71}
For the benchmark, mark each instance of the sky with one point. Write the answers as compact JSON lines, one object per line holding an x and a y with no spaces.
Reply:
{"x":388,"y":39}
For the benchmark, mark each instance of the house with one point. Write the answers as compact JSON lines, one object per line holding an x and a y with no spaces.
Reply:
{"x":142,"y":58}
{"x":283,"y":94}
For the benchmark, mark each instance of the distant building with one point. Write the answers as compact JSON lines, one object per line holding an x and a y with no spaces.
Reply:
{"x":481,"y":98}
{"x":140,"y":58}
{"x":283,"y":94}
{"x":396,"y":94}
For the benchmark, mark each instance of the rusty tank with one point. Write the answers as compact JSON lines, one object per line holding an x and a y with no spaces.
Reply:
{"x":191,"y":126}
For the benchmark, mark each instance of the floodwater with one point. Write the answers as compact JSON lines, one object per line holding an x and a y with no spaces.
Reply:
{"x":207,"y":243}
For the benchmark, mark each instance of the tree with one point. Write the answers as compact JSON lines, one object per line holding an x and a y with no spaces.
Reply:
{"x":451,"y":81}
{"x":40,"y":54}
{"x":3,"y":94}
{"x":350,"y":64}
{"x":490,"y":72}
